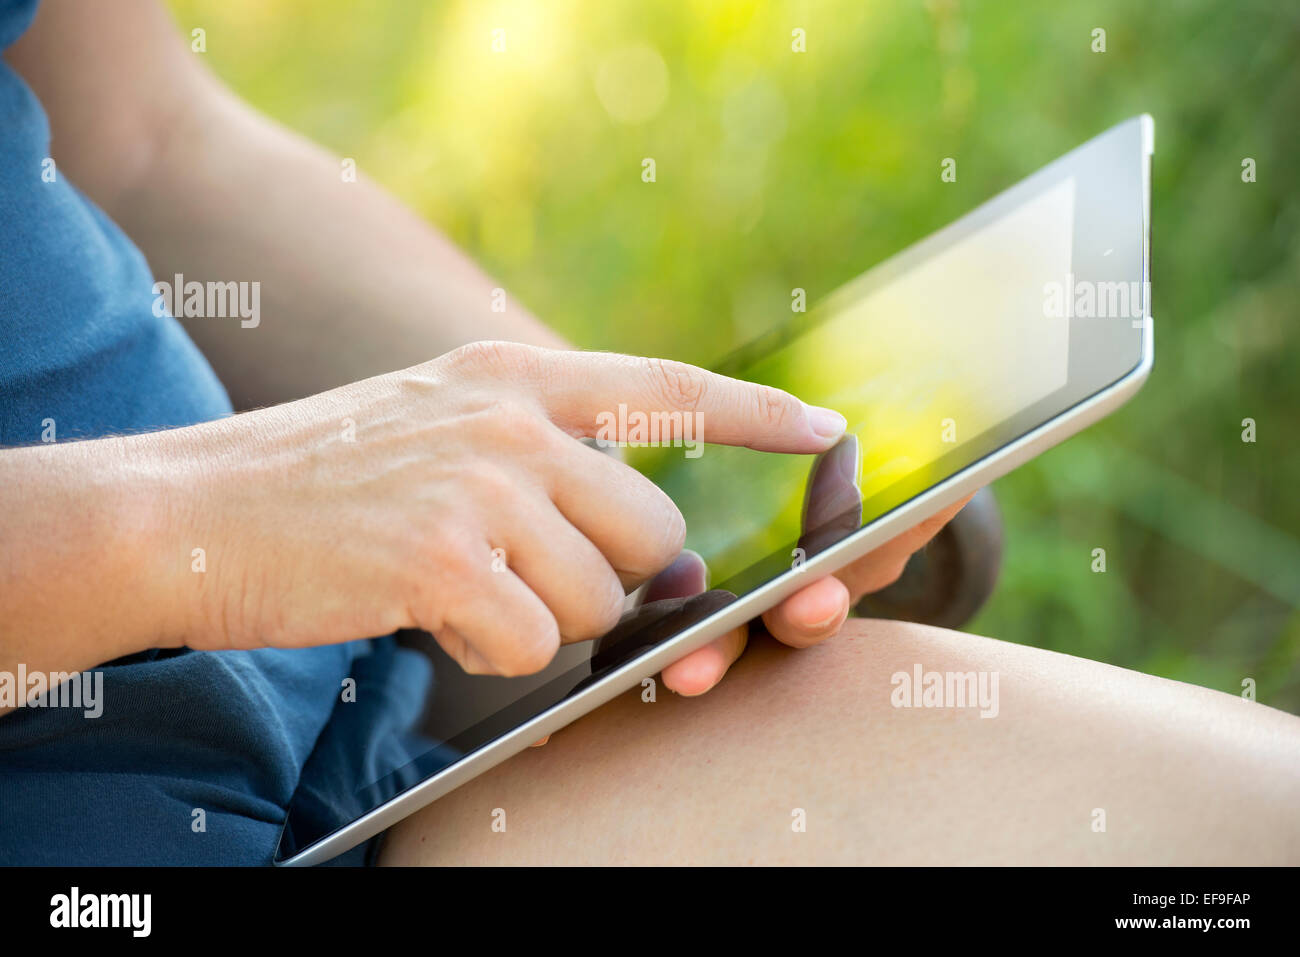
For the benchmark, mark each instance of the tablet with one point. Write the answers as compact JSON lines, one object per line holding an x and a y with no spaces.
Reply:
{"x":954,"y":361}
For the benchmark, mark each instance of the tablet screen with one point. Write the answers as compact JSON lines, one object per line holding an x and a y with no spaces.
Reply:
{"x":918,"y":365}
{"x":938,"y":358}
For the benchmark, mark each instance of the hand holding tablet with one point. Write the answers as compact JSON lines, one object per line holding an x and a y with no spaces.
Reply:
{"x":954,"y":361}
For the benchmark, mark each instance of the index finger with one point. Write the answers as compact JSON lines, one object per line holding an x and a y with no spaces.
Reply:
{"x":627,"y":398}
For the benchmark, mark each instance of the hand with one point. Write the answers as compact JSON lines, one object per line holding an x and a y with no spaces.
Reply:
{"x":812,"y":614}
{"x":453,"y":497}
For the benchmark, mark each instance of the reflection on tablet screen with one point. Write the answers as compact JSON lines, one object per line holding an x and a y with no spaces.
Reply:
{"x":937,"y":358}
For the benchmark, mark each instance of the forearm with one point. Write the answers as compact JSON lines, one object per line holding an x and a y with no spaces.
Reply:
{"x":352,"y":284}
{"x":84,"y":555}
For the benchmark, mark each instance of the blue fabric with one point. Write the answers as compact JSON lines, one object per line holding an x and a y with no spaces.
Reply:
{"x":226,"y":733}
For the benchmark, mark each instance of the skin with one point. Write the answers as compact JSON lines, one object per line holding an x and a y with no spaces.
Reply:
{"x":455,"y":442}
{"x":1184,"y":775}
{"x":450,"y":455}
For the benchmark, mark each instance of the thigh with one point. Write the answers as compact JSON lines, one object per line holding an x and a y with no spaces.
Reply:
{"x":838,"y":754}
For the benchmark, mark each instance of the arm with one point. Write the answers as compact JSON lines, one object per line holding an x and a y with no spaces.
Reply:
{"x":353,"y":284}
{"x":313,"y":534}
{"x":82,"y":540}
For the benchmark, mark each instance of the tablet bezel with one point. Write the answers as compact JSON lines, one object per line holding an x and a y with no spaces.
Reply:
{"x":1120,"y":380}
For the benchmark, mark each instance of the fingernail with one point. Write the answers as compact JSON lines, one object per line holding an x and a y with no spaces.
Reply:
{"x":827,"y":423}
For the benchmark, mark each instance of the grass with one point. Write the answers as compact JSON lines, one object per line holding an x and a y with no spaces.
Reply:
{"x":778,"y":169}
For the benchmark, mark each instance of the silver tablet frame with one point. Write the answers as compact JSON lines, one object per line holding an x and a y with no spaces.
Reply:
{"x":750,"y":606}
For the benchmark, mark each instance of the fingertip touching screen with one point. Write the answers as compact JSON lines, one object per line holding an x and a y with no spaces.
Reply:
{"x":938,"y":358}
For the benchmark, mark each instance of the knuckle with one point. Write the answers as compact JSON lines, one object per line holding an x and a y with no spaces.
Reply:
{"x":491,"y":356}
{"x":468,"y":357}
{"x":528,"y":425}
{"x":489,"y":485}
{"x":449,"y":560}
{"x":679,"y":385}
{"x":474,"y":665}
{"x":674,"y":526}
{"x":772,"y":407}
{"x":662,"y":534}
{"x":658,"y":553}
{"x":533,"y":653}
{"x":666,"y":517}
{"x":507,"y":422}
{"x":599,"y":614}
{"x":612,"y":613}
{"x":425,"y":607}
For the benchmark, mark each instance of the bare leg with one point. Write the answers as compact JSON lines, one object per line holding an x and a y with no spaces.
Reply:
{"x":1182,"y":774}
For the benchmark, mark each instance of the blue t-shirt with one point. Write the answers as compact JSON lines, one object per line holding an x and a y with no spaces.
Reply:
{"x":196,"y":754}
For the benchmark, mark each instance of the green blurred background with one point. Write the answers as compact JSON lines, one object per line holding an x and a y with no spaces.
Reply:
{"x":778,"y":169}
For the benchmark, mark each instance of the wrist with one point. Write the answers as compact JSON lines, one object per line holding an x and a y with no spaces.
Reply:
{"x":80,"y":576}
{"x":163,"y":525}
{"x":205,"y":524}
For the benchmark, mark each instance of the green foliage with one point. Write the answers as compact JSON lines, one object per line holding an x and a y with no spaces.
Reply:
{"x":778,"y":169}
